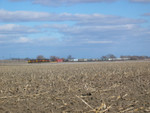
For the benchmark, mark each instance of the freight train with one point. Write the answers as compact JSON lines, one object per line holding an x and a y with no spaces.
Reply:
{"x":43,"y":60}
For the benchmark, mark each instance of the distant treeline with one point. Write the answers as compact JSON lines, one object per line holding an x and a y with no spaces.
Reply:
{"x":106,"y":57}
{"x":136,"y":57}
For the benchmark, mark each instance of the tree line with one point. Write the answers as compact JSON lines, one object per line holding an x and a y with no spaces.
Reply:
{"x":134,"y":57}
{"x":54,"y":58}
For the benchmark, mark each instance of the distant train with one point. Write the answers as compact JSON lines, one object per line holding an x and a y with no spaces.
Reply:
{"x":38,"y":61}
{"x":43,"y":60}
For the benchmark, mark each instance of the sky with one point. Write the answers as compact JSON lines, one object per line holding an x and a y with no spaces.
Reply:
{"x":81,"y":28}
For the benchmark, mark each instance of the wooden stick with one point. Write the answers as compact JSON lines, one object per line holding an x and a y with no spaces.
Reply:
{"x":85,"y":102}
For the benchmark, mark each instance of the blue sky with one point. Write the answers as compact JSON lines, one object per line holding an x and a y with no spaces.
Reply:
{"x":81,"y":28}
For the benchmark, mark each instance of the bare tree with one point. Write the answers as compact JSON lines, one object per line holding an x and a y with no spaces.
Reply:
{"x":135,"y":57}
{"x":69,"y":57}
{"x":111,"y":56}
{"x":40,"y":57}
{"x":104,"y":58}
{"x":53,"y":58}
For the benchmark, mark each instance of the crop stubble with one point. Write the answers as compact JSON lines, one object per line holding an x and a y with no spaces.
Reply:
{"x":116,"y":87}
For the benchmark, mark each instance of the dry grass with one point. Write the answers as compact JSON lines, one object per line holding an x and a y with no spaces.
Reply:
{"x":120,"y":87}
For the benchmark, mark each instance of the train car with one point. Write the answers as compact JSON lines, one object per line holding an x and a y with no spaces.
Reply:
{"x":59,"y":60}
{"x":38,"y":60}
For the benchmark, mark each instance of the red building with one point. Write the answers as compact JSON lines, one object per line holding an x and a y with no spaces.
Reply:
{"x":59,"y":60}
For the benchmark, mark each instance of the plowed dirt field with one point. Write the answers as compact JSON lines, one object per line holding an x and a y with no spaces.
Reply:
{"x":105,"y":87}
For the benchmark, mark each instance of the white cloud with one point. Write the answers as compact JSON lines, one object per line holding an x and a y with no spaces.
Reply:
{"x":100,"y":42}
{"x":72,"y":2}
{"x":63,"y":2}
{"x":23,"y":40}
{"x":44,"y":41}
{"x":67,"y":2}
{"x":146,"y":14}
{"x":89,"y":28}
{"x":16,"y":29}
{"x":142,"y":1}
{"x":12,"y":33}
{"x":16,"y":0}
{"x":29,"y":16}
{"x":26,"y":16}
{"x":74,"y":34}
{"x":94,"y":34}
{"x":94,"y":30}
{"x":19,"y":34}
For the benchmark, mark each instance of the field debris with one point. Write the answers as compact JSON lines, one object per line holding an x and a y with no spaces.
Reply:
{"x":114,"y":87}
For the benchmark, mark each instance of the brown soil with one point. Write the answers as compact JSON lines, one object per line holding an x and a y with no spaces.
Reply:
{"x":116,"y":87}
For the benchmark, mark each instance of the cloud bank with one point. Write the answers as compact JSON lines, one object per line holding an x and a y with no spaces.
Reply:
{"x":63,"y":2}
{"x":30,"y":16}
{"x":72,"y":2}
{"x":140,"y":1}
{"x":146,"y":14}
{"x":16,"y":29}
{"x":86,"y":28}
